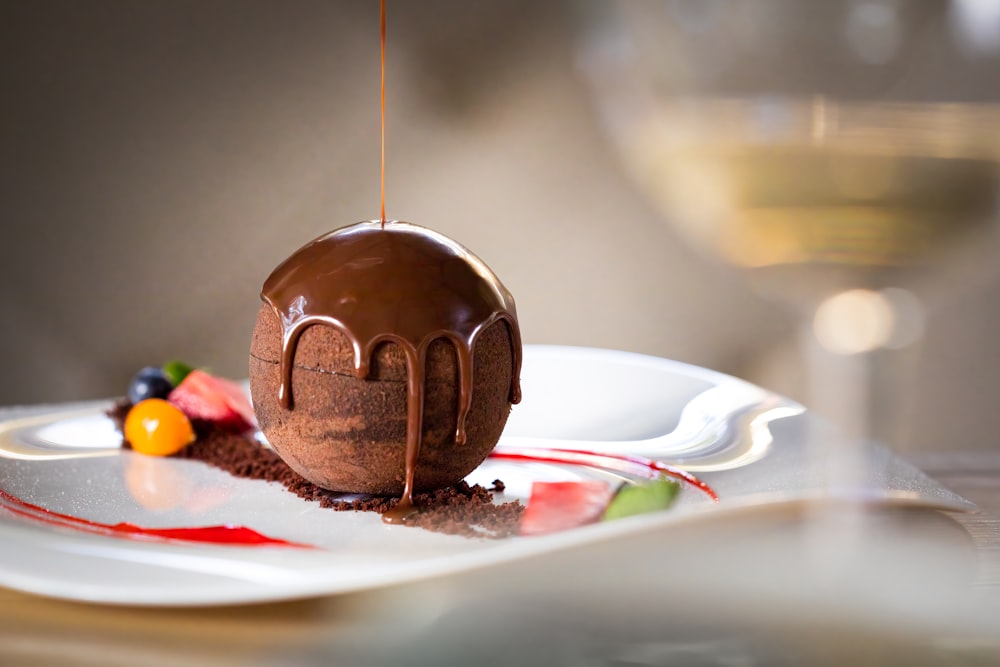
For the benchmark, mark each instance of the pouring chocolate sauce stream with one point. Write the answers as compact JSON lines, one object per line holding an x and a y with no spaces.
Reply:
{"x":382,"y":50}
{"x":389,"y":281}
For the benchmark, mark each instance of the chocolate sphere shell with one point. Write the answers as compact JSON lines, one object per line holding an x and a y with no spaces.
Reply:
{"x":348,"y":434}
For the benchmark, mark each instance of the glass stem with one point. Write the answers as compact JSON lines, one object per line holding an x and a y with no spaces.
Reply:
{"x":838,"y":394}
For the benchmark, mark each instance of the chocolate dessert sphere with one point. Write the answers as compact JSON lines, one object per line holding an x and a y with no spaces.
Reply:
{"x":384,"y":360}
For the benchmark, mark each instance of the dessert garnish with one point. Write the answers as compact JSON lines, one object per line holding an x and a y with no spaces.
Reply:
{"x":218,"y":400}
{"x":557,"y":506}
{"x":633,"y":499}
{"x":176,"y":370}
{"x":164,"y":401}
{"x":157,"y":428}
{"x":157,"y":381}
{"x":149,"y":382}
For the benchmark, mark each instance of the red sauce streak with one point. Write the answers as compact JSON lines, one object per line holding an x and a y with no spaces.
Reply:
{"x":620,"y":462}
{"x":223,"y":534}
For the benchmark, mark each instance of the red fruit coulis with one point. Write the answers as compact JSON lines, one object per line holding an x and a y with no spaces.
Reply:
{"x":622,"y":462}
{"x":221,"y":534}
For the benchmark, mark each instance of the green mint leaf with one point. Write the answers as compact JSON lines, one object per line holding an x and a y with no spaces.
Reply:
{"x":641,"y":498}
{"x":176,"y":371}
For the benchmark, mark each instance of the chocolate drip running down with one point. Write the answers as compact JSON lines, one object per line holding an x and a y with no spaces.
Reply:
{"x":393,"y":282}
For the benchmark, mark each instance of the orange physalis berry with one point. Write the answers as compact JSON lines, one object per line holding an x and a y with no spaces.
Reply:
{"x":157,"y":428}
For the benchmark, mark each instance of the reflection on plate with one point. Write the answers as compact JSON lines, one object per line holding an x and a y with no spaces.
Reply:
{"x":749,"y":444}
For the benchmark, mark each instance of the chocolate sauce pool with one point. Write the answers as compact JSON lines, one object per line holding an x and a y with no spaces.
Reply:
{"x":393,"y":282}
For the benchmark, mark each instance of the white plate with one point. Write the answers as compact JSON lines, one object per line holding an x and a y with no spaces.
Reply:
{"x":749,"y":444}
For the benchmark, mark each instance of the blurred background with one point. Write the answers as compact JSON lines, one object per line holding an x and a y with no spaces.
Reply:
{"x":158,"y":159}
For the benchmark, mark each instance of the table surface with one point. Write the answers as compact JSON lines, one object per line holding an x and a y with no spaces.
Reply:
{"x":39,"y":631}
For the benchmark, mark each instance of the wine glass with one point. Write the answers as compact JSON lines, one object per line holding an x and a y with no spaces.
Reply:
{"x":843,"y":155}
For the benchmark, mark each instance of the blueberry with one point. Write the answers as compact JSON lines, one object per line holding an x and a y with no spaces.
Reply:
{"x":150,"y":382}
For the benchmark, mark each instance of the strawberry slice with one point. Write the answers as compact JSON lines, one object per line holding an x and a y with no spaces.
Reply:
{"x":555,"y":506}
{"x":215,"y":399}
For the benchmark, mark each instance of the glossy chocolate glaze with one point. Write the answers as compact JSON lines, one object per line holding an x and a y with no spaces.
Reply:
{"x":393,"y":282}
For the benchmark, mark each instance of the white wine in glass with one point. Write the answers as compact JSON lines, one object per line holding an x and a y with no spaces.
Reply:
{"x":813,"y":196}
